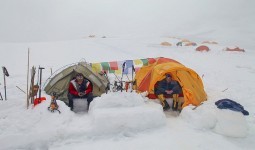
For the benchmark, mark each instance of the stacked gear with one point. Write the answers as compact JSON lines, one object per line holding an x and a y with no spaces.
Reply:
{"x":53,"y":105}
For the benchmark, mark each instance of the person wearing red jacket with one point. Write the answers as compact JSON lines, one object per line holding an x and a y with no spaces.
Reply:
{"x":79,"y":88}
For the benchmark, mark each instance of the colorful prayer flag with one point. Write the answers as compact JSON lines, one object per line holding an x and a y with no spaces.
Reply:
{"x":105,"y":66}
{"x":151,"y":60}
{"x":128,"y":66}
{"x":113,"y":65}
{"x":96,"y":67}
{"x":145,"y":61}
{"x":138,"y":62}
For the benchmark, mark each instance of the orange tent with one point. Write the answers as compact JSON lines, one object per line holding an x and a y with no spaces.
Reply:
{"x":191,"y":83}
{"x":202,"y":48}
{"x":146,"y":70}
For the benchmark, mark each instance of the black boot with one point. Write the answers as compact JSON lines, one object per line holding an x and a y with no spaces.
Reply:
{"x":175,"y":106}
{"x":166,"y":106}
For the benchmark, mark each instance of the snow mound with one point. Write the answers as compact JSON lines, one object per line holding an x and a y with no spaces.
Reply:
{"x":124,"y":113}
{"x":231,"y":123}
{"x":118,"y":99}
{"x":202,"y":117}
{"x":221,"y":121}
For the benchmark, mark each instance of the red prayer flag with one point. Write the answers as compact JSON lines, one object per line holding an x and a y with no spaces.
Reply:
{"x":113,"y":65}
{"x":151,"y":60}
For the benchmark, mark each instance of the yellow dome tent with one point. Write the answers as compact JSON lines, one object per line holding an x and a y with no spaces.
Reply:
{"x":191,"y":83}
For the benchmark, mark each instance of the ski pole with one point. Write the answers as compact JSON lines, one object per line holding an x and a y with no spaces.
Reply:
{"x":1,"y":96}
{"x":41,"y":68}
{"x":21,"y":89}
{"x":133,"y":70}
{"x":123,"y":67}
{"x":108,"y":82}
{"x":5,"y":88}
{"x":5,"y":72}
{"x":116,"y":77}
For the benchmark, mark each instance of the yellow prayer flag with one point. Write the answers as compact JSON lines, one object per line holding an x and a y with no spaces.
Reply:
{"x":118,"y":72}
{"x":96,"y":67}
{"x":138,"y":61}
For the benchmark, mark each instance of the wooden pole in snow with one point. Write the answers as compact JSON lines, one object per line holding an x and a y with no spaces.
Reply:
{"x":27,"y":78}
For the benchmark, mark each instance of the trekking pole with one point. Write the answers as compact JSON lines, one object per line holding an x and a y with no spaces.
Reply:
{"x":128,"y":78}
{"x":5,"y":72}
{"x":32,"y":85}
{"x":1,"y":96}
{"x":133,"y":70}
{"x":123,"y":67}
{"x":116,"y":77}
{"x":108,"y":82}
{"x":21,"y":89}
{"x":40,"y":68}
{"x":27,"y":77}
{"x":50,"y":71}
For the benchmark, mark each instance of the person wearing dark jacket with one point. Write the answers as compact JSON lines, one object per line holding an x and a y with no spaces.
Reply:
{"x":79,"y":88}
{"x":166,"y":88}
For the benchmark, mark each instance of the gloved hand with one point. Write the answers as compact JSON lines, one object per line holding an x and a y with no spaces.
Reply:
{"x":81,"y":94}
{"x":169,"y":92}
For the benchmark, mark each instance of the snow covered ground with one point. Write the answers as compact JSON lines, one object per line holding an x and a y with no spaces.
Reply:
{"x":57,"y":34}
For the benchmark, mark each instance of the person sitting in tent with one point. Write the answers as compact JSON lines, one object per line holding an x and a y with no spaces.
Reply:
{"x":79,"y":88}
{"x":168,"y":87}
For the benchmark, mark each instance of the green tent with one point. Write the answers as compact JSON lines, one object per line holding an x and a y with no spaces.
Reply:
{"x":59,"y":83}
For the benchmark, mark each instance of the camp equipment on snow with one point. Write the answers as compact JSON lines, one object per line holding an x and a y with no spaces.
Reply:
{"x":21,"y":89}
{"x":231,"y":105}
{"x":192,"y":86}
{"x":27,"y":93}
{"x":53,"y":104}
{"x":117,"y":86}
{"x":33,"y":88}
{"x":1,"y":98}
{"x":108,"y":84}
{"x":5,"y":73}
{"x":40,"y":89}
{"x":40,"y":99}
{"x":59,"y":81}
{"x":123,"y":68}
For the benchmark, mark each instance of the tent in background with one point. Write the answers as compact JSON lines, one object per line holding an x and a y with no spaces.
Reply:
{"x":192,"y":86}
{"x":234,"y":49}
{"x":209,"y":42}
{"x":166,"y":44}
{"x":202,"y":48}
{"x":59,"y":83}
{"x":191,"y":44}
